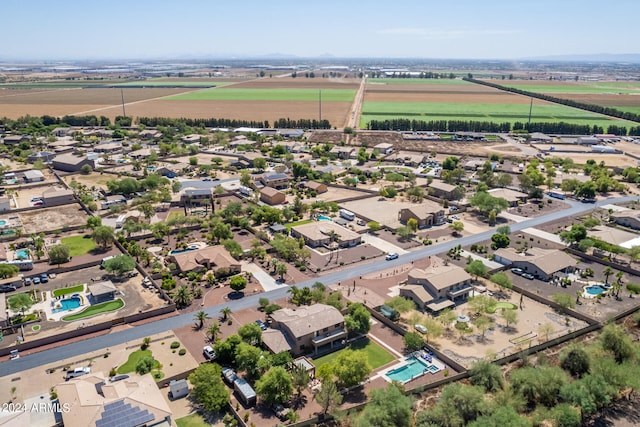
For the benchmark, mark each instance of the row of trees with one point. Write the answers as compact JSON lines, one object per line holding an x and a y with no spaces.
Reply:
{"x":234,"y":123}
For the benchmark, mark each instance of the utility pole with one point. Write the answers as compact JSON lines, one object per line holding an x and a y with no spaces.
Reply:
{"x":320,"y":104}
{"x":530,"y":108}
{"x":122,"y":97}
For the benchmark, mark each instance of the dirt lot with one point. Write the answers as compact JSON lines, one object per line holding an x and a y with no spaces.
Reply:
{"x":93,"y":179}
{"x":50,"y":219}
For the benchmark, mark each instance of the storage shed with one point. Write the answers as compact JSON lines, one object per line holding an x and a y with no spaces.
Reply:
{"x":178,"y":389}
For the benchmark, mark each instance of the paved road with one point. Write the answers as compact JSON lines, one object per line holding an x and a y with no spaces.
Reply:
{"x":137,"y":333}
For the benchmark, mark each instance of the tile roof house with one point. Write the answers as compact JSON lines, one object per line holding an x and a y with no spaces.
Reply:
{"x":318,"y":187}
{"x":271,"y":196}
{"x":542,"y":263}
{"x":427,"y":214}
{"x":629,"y":218}
{"x":95,"y":400}
{"x":319,"y":233}
{"x":438,"y":286}
{"x":305,"y":329}
{"x":442,"y":190}
{"x":209,"y":258}
{"x":511,"y":196}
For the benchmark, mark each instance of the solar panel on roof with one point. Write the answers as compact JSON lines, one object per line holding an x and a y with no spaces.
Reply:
{"x":119,"y":414}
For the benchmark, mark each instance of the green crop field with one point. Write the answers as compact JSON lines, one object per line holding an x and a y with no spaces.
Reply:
{"x":418,"y":81}
{"x":238,"y":94}
{"x":581,"y":88}
{"x":427,"y":111}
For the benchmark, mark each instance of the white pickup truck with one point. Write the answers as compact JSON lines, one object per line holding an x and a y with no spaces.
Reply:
{"x":77,"y":372}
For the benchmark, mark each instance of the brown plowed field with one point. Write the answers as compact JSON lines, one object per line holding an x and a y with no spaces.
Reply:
{"x":299,"y":83}
{"x":612,"y":100}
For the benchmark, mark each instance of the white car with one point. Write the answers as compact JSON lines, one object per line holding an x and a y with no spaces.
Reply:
{"x":208,"y":352}
{"x":420,"y":328}
{"x":391,"y":256}
{"x":77,"y":372}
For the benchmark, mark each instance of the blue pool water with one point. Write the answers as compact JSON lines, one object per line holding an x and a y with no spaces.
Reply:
{"x":22,"y":254}
{"x":323,"y":218}
{"x":413,"y":368}
{"x":3,"y":222}
{"x":68,"y":304}
{"x":181,"y":251}
{"x":594,"y":290}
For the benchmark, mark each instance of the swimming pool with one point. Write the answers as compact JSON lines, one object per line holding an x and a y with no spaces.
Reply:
{"x":594,"y":290}
{"x":22,"y":254}
{"x":68,"y":304}
{"x":323,"y":218}
{"x":413,"y":369}
{"x":181,"y":251}
{"x":3,"y":222}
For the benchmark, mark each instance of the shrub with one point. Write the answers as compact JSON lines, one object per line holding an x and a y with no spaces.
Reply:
{"x":175,"y":344}
{"x":182,"y":351}
{"x":633,"y":288}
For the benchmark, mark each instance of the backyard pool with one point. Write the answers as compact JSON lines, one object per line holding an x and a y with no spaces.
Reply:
{"x":593,"y":291}
{"x":68,"y":304}
{"x":181,"y":251}
{"x":413,"y":369}
{"x":3,"y":222}
{"x":22,"y":254}
{"x":323,"y":218}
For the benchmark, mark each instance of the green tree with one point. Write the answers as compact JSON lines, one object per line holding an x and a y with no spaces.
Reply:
{"x":510,"y":317}
{"x":247,"y":357}
{"x":565,"y":301}
{"x":275,"y":386}
{"x":103,"y":236}
{"x":615,"y":340}
{"x":375,"y":227}
{"x":412,"y":341}
{"x":226,"y":349}
{"x":59,"y":254}
{"x":328,"y":397}
{"x":238,"y":283}
{"x":412,"y":224}
{"x":486,"y":375}
{"x":482,"y":304}
{"x":182,"y":296}
{"x":502,"y":416}
{"x":575,"y":361}
{"x":477,"y":268}
{"x":8,"y":270}
{"x":213,"y":331}
{"x":120,"y":264}
{"x":401,"y":304}
{"x":485,"y":203}
{"x":351,"y":367}
{"x":501,"y":279}
{"x":300,"y":378}
{"x":19,"y":303}
{"x":539,"y":385}
{"x":200,"y":317}
{"x":260,"y":163}
{"x":251,"y":333}
{"x":146,"y":365}
{"x":577,"y":233}
{"x":208,"y":389}
{"x":226,"y":311}
{"x":499,"y":241}
{"x":358,"y":319}
{"x":93,"y":222}
{"x":388,"y":407}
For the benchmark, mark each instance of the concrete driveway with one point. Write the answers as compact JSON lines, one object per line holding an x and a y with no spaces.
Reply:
{"x":267,"y":282}
{"x":383,"y":245}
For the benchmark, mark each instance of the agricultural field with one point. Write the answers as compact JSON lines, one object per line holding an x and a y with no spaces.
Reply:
{"x":623,"y":96}
{"x":284,"y":94}
{"x":430,"y":99}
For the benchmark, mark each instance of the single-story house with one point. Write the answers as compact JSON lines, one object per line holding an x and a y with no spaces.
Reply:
{"x":150,"y":134}
{"x":629,"y":218}
{"x":542,"y":263}
{"x":318,"y":187}
{"x":108,"y":147}
{"x":142,"y":153}
{"x":587,"y":140}
{"x":304,"y":329}
{"x":191,"y":139}
{"x":102,"y":291}
{"x":511,"y":196}
{"x":44,"y":156}
{"x":427,"y":214}
{"x":384,"y":148}
{"x":275,"y":180}
{"x":94,"y":400}
{"x":342,"y":152}
{"x":278,"y":228}
{"x":442,"y":190}
{"x":209,"y":258}
{"x":438,"y":286}
{"x":63,"y":131}
{"x":271,"y":196}
{"x":15,"y":139}
{"x":57,"y":196}
{"x":33,"y":175}
{"x":540,"y":137}
{"x":71,"y":163}
{"x":321,"y":233}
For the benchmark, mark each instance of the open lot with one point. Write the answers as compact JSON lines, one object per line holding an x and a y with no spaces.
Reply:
{"x":51,"y":219}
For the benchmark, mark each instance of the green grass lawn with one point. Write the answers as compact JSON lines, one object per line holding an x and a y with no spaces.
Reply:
{"x":504,"y":305}
{"x":376,"y":355}
{"x":239,"y":94}
{"x":584,"y":88}
{"x":132,"y":361}
{"x":193,"y":420}
{"x":67,"y":291}
{"x":296,"y":223}
{"x":79,"y":245}
{"x":93,"y":310}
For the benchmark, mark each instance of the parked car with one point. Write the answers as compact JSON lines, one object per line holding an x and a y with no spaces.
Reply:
{"x":262,"y":325}
{"x":281,"y":412}
{"x":27,"y":281}
{"x":528,"y":276}
{"x":517,"y":271}
{"x":44,"y":278}
{"x":14,"y":354}
{"x":420,"y":328}
{"x":77,"y":372}
{"x":208,"y":352}
{"x":7,"y":288}
{"x":391,"y":256}
{"x":35,"y":280}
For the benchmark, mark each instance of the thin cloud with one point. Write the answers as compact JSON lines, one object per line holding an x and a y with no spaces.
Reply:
{"x":435,"y":34}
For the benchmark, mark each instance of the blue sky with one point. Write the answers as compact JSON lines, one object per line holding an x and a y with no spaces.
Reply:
{"x":162,"y":29}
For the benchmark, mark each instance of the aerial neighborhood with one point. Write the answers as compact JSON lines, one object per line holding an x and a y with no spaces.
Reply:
{"x":156,"y":270}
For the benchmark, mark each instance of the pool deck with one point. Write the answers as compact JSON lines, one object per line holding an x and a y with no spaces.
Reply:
{"x":419,"y":356}
{"x":49,"y":305}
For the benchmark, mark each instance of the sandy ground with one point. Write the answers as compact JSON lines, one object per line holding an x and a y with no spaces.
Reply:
{"x":50,"y":219}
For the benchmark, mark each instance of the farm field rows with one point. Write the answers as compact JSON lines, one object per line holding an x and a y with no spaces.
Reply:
{"x":284,"y":94}
{"x":412,"y":99}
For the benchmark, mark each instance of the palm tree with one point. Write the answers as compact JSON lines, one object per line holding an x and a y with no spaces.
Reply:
{"x":607,"y":272}
{"x":214,"y":330}
{"x":182,"y":296}
{"x":225,"y":313}
{"x":201,"y":316}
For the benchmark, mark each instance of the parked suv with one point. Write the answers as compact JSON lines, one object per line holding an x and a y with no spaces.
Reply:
{"x":208,"y":352}
{"x":77,"y":372}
